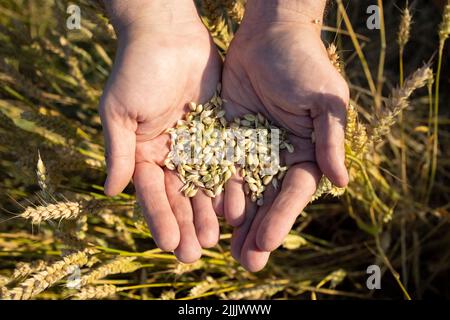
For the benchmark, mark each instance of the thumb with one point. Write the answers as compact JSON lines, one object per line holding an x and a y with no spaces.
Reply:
{"x":120,"y":141}
{"x":329,"y":133}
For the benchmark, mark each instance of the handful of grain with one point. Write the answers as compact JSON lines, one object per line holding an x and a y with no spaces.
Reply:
{"x":206,"y":150}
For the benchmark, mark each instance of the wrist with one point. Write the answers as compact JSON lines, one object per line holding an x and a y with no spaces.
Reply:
{"x":131,"y":16}
{"x":308,"y":13}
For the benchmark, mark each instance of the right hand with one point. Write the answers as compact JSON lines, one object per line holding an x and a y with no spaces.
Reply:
{"x":159,"y":67}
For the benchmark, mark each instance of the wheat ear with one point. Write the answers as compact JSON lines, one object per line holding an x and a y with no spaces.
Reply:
{"x":398,"y":102}
{"x":404,"y":32}
{"x":49,"y":276}
{"x":444,"y":28}
{"x":118,"y":265}
{"x":95,"y":292}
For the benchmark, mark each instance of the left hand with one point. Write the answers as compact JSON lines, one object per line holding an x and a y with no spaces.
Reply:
{"x":282,"y":70}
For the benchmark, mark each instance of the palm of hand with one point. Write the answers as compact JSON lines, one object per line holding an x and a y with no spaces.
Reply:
{"x":285,"y":75}
{"x":153,"y":80}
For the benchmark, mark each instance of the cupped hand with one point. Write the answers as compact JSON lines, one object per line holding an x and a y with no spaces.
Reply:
{"x":282,"y":70}
{"x":158,"y":70}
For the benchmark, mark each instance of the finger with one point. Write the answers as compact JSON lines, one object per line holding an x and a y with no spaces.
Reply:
{"x":329,"y":131}
{"x":149,"y":183}
{"x":189,"y":249}
{"x":240,"y":233}
{"x":298,"y":187}
{"x":252,"y":257}
{"x":205,"y":220}
{"x":218,"y":204}
{"x":120,"y":141}
{"x":234,"y":205}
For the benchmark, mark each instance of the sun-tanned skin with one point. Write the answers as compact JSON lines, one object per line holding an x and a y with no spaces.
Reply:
{"x":276,"y":65}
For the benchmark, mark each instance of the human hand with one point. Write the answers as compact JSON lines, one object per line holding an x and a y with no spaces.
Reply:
{"x":277,"y":65}
{"x":165,"y":59}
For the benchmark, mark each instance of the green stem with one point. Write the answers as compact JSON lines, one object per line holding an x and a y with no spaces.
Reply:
{"x":358,"y":49}
{"x":403,"y":167}
{"x":436,"y":123}
{"x":429,"y":147}
{"x":382,"y":57}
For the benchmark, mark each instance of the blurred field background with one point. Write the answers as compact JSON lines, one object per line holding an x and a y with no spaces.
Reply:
{"x":53,"y":214}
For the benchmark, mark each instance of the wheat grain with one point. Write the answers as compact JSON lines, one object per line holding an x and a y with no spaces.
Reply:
{"x":41,"y":173}
{"x":202,"y":138}
{"x":235,"y":10}
{"x":293,"y":242}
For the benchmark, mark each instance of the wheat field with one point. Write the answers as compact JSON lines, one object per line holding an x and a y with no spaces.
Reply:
{"x":62,"y":238}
